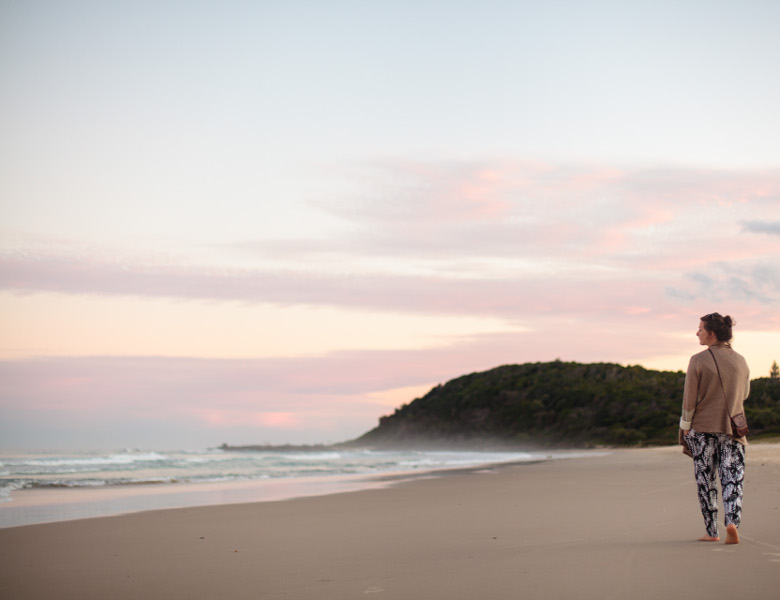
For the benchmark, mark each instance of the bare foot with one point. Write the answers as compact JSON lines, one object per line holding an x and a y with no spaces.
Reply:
{"x":709,"y":538}
{"x":732,"y":535}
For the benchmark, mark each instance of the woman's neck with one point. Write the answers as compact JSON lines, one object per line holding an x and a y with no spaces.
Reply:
{"x":721,"y":344}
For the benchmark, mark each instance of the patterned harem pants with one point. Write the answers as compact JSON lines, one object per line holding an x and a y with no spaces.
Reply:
{"x":718,"y":453}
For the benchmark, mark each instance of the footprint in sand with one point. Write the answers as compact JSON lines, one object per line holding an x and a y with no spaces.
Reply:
{"x":775,"y":556}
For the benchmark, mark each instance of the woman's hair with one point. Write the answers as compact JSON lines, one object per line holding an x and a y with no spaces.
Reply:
{"x":719,"y":325}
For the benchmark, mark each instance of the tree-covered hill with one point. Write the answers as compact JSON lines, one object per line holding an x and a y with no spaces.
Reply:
{"x":762,"y":408}
{"x":558,"y":403}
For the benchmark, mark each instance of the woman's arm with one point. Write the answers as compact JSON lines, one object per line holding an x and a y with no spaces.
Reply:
{"x":690,"y":396}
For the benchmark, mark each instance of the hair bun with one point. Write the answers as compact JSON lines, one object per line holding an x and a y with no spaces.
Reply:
{"x":719,"y":325}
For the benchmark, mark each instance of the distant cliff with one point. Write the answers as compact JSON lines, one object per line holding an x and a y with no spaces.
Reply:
{"x":557,"y":403}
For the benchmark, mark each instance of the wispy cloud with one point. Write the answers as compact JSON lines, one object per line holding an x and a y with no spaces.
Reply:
{"x":289,"y":398}
{"x":768,"y":227}
{"x":502,"y":239}
{"x":574,"y":292}
{"x":589,"y":264}
{"x":508,"y":210}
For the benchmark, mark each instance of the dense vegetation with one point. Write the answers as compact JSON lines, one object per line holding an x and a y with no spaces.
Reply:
{"x":558,"y":403}
{"x":762,"y":409}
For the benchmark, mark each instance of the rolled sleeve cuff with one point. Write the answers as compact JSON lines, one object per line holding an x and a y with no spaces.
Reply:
{"x":685,"y":425}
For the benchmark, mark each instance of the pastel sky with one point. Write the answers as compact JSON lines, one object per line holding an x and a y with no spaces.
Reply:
{"x":272,"y":222}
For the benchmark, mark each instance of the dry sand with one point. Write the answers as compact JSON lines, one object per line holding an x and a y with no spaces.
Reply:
{"x":618,"y":526}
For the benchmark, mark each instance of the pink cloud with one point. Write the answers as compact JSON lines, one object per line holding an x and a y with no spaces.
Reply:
{"x":232,"y":417}
{"x":328,"y":397}
{"x":625,"y":261}
{"x":576,"y":290}
{"x":320,"y":395}
{"x":282,"y":420}
{"x":406,"y":193}
{"x":509,"y":209}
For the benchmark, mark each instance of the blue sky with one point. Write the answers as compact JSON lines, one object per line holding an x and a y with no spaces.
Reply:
{"x":360,"y":200}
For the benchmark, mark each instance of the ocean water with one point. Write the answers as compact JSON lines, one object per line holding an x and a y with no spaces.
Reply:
{"x":50,"y":486}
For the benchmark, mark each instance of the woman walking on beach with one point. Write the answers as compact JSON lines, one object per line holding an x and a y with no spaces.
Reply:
{"x":716,"y":384}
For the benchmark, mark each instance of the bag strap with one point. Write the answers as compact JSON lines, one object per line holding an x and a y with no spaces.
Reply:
{"x":725,"y":398}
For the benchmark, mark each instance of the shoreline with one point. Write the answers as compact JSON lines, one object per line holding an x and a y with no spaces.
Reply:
{"x":42,"y":506}
{"x":39,"y":506}
{"x":619,"y":525}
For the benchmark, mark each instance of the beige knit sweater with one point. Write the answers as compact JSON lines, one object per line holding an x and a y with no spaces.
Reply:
{"x":703,"y":407}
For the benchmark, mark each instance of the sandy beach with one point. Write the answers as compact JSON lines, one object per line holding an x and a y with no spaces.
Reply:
{"x":617,"y":526}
